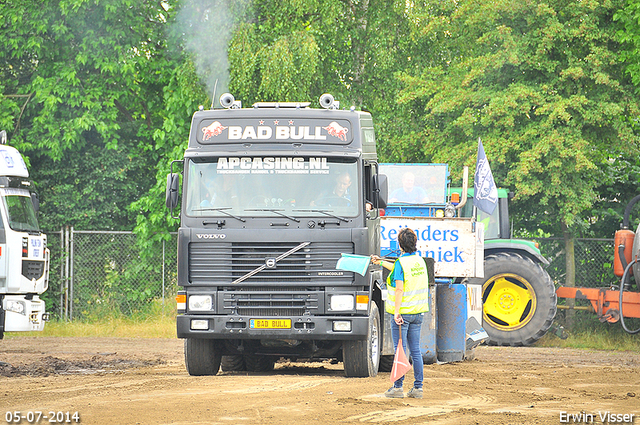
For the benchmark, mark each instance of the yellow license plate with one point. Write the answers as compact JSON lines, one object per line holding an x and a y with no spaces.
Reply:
{"x":270,"y":324}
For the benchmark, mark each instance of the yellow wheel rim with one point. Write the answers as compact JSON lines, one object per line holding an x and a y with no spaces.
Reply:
{"x":509,"y":301}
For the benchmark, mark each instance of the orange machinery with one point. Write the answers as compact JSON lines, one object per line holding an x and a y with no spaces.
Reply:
{"x":614,"y":304}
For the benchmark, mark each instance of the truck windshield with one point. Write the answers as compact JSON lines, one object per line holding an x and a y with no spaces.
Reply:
{"x":20,"y":211}
{"x":272,"y":187}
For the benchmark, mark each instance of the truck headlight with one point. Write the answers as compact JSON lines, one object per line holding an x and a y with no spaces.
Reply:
{"x":200,"y":303}
{"x":343,"y":302}
{"x":16,"y":306}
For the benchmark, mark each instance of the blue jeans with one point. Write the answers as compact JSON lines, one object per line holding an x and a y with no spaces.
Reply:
{"x":411,"y":329}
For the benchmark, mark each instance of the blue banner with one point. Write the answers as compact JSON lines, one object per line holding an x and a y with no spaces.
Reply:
{"x":486,"y":192}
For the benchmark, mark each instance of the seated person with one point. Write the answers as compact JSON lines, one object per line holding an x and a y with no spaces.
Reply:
{"x":409,"y":193}
{"x":221,"y":192}
{"x":339,"y":194}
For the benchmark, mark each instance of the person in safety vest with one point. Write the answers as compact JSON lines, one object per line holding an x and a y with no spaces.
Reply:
{"x":407,"y":300}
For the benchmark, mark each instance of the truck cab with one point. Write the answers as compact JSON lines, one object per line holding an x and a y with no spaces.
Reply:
{"x":269,"y":199}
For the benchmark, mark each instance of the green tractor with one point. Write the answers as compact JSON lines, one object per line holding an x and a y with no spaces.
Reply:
{"x":518,"y":296}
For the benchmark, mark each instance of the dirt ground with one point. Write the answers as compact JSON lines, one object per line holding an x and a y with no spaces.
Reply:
{"x":143,"y":381}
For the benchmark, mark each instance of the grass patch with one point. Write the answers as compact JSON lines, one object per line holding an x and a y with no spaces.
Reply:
{"x":161,"y":327}
{"x":157,"y":321}
{"x":605,"y":338}
{"x":589,"y":333}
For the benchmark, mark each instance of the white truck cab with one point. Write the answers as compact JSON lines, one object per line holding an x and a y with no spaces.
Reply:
{"x":24,"y":256}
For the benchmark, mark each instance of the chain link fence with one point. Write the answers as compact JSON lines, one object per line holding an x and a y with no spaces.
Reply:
{"x":95,"y":274}
{"x":593,"y":261}
{"x":593,"y":269}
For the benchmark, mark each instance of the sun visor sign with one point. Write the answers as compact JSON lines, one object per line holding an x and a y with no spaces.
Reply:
{"x":274,"y":130}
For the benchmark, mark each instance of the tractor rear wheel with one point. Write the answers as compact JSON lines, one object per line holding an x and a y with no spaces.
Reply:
{"x":518,"y":299}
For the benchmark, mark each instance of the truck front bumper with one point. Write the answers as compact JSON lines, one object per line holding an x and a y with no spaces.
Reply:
{"x":22,"y":314}
{"x":299,"y":327}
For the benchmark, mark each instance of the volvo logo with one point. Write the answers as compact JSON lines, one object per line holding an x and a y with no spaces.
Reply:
{"x":270,"y":263}
{"x":211,"y":235}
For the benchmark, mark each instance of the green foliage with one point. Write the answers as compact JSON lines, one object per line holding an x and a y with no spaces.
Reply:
{"x":277,"y":63}
{"x":628,"y":33}
{"x":542,"y":87}
{"x":182,"y":96}
{"x":80,"y":77}
{"x":94,"y":188}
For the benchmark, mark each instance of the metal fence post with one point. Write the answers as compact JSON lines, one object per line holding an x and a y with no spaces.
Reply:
{"x":71,"y":277}
{"x":66,"y":273}
{"x":163,"y":263}
{"x":61,"y":275}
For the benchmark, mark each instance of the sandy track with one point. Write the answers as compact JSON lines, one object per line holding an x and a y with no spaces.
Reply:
{"x":143,"y":381}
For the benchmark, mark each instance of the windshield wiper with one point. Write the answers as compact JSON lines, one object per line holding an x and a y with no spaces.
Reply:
{"x":275,"y":211}
{"x":327,"y":213}
{"x":222,"y":210}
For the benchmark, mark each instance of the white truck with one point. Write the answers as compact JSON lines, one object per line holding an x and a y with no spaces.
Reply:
{"x":24,"y":256}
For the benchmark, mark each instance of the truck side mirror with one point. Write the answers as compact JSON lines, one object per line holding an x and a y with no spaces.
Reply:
{"x":35,"y":200}
{"x":381,"y":187}
{"x":171,"y":197}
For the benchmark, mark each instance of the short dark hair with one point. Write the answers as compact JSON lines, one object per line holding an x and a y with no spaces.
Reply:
{"x":407,"y":239}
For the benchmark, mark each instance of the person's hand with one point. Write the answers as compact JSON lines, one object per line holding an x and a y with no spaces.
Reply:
{"x":398,"y":319}
{"x":376,"y":260}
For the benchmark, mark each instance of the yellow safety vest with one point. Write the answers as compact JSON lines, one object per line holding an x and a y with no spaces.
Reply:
{"x":415,"y":298}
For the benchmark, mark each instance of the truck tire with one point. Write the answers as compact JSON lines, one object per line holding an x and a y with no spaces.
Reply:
{"x":362,"y":357}
{"x":202,"y":356}
{"x":233,"y":363}
{"x":257,"y":363}
{"x":518,"y":299}
{"x":386,"y":364}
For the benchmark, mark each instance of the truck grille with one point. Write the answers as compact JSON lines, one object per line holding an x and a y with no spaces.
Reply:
{"x":32,"y":269}
{"x":223,"y":263}
{"x":249,"y":302}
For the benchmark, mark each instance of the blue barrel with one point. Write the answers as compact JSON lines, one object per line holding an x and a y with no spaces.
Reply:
{"x":451,"y":302}
{"x":428,"y":331}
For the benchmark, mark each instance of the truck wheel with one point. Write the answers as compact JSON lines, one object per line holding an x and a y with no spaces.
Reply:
{"x":362,"y":357}
{"x":257,"y":363}
{"x":386,"y":364}
{"x":202,"y":356}
{"x":518,"y":300}
{"x":233,"y":363}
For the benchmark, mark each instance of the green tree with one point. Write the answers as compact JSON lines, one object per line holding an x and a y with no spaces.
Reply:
{"x":181,"y":98}
{"x":278,"y":51}
{"x":78,"y":77}
{"x":540,"y":83}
